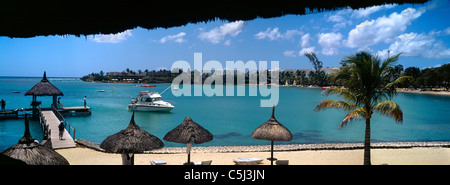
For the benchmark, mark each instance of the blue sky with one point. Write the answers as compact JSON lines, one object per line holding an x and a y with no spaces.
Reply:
{"x":421,"y":32}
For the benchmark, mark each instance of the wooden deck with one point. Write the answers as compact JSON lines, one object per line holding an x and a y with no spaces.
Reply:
{"x":53,"y":123}
{"x":80,"y":110}
{"x":76,"y":108}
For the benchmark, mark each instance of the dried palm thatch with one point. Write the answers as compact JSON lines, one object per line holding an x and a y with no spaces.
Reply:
{"x":131,"y":140}
{"x":6,"y":160}
{"x":44,"y":88}
{"x":33,"y":153}
{"x":36,"y":18}
{"x":189,"y":132}
{"x":272,"y":130}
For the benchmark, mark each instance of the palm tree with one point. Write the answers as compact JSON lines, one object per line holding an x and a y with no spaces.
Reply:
{"x":368,"y":89}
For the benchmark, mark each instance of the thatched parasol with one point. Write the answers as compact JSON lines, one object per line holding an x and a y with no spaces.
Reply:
{"x":43,"y":88}
{"x":130,"y":141}
{"x":189,"y":132}
{"x":32,"y":152}
{"x":274,"y":131}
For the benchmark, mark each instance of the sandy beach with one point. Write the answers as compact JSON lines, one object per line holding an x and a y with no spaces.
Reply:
{"x":416,"y":91}
{"x":429,"y":155}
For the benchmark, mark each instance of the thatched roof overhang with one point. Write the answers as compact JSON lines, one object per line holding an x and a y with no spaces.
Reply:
{"x":43,"y":18}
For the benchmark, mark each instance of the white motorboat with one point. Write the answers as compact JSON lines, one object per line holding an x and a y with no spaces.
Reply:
{"x":149,"y":101}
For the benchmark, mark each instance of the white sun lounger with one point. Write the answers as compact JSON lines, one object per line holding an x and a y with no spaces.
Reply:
{"x":247,"y":161}
{"x":158,"y":162}
{"x":203,"y":162}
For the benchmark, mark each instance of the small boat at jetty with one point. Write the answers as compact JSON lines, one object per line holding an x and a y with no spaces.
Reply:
{"x":146,"y":85}
{"x":149,"y":101}
{"x":100,"y":90}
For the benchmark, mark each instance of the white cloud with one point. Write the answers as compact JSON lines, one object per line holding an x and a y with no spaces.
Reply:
{"x":413,"y":44}
{"x":227,"y":43}
{"x":112,"y":38}
{"x":441,"y":33}
{"x":365,"y":12}
{"x":270,"y":34}
{"x":383,"y":29}
{"x":178,"y":38}
{"x":217,"y":34}
{"x":306,"y":50}
{"x":274,"y":34}
{"x":447,"y":31}
{"x":329,"y":42}
{"x":339,"y":19}
{"x":289,"y":53}
{"x":305,"y":40}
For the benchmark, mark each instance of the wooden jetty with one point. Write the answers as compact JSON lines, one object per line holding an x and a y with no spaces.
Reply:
{"x":9,"y":114}
{"x":52,"y":123}
{"x":19,"y":113}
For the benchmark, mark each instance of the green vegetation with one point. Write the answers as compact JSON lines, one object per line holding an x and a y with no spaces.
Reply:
{"x":368,"y":88}
{"x":426,"y":79}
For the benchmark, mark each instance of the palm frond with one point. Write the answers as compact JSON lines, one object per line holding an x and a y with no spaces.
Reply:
{"x":390,"y":61}
{"x":334,"y":104}
{"x":389,"y":109}
{"x":400,"y":80}
{"x":357,"y":113}
{"x":342,"y":92}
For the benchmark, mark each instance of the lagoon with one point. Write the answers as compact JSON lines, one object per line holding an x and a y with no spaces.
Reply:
{"x":231,"y":119}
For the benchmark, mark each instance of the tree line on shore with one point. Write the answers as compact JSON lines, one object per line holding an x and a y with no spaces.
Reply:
{"x":436,"y":77}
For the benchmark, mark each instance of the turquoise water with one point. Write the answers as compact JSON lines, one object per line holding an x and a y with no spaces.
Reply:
{"x":231,"y":119}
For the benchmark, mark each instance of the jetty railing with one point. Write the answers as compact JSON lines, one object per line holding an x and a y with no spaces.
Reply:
{"x":44,"y":125}
{"x":66,"y":124}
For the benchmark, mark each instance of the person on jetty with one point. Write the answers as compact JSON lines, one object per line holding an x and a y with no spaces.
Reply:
{"x":59,"y":102}
{"x":84,"y":101}
{"x":3,"y":104}
{"x":61,"y":130}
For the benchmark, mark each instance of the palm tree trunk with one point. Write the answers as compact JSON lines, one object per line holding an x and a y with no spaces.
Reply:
{"x":367,"y":143}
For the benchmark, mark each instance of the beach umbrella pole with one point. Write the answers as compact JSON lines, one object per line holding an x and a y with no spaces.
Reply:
{"x":271,"y":153}
{"x":188,"y":150}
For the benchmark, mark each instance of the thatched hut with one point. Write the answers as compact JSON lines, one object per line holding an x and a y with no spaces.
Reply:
{"x":189,"y":132}
{"x":272,"y":130}
{"x":43,"y":88}
{"x":33,"y":153}
{"x":130,"y":141}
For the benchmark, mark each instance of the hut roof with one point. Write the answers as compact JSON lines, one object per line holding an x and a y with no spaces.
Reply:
{"x":44,"y":88}
{"x":33,"y":153}
{"x":43,"y":18}
{"x":131,"y":140}
{"x":272,"y":130}
{"x":188,"y":131}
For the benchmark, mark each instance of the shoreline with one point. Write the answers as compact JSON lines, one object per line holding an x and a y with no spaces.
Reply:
{"x":279,"y":148}
{"x":399,"y":90}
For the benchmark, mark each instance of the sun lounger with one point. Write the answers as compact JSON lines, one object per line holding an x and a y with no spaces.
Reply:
{"x":282,"y":162}
{"x":158,"y":162}
{"x":247,"y":161}
{"x":203,"y":162}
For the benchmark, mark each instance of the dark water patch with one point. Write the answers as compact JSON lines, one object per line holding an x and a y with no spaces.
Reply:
{"x":306,"y":135}
{"x":227,"y":135}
